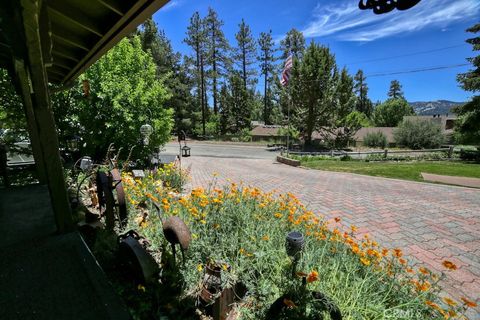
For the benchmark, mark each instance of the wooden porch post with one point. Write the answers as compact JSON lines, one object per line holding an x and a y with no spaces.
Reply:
{"x":25,"y":91}
{"x":32,"y":15}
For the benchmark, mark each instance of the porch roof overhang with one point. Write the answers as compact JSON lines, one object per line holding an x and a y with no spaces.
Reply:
{"x":75,"y":33}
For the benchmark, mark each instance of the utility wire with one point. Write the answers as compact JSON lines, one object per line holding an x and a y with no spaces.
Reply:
{"x":417,"y":70}
{"x":425,"y":69}
{"x":406,"y":55}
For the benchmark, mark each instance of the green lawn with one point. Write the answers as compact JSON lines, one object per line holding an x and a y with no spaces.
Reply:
{"x":398,"y":170}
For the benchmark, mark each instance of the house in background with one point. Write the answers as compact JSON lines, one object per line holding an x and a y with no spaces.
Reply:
{"x":359,"y":137}
{"x":267,"y":132}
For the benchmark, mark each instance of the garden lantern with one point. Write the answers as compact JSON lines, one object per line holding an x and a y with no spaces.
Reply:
{"x":146,"y":130}
{"x":186,"y":151}
{"x":72,"y":144}
{"x":294,"y":244}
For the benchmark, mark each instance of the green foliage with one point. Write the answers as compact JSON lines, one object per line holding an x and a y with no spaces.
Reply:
{"x":218,"y":56}
{"x":468,"y":122}
{"x":313,"y":86}
{"x":395,"y":91}
{"x":375,"y":140}
{"x":266,"y":59}
{"x":245,"y":54}
{"x":236,"y":105}
{"x":391,"y":112}
{"x":242,"y":231}
{"x":11,"y":106}
{"x":293,"y":133}
{"x":173,"y":72}
{"x":364,"y":104}
{"x":124,"y":95}
{"x":293,"y":43}
{"x":419,"y":134}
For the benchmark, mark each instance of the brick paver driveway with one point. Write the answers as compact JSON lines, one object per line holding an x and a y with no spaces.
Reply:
{"x":430,"y":222}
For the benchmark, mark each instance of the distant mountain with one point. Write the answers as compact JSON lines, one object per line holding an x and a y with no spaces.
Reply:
{"x":434,"y":107}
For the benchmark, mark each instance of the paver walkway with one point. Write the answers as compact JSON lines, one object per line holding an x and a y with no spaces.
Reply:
{"x":432,"y":223}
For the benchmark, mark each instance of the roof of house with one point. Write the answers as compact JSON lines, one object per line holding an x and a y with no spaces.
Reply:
{"x":266,"y":130}
{"x":387,"y":131}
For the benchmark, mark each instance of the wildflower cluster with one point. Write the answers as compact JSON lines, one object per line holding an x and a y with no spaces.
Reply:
{"x":245,"y":229}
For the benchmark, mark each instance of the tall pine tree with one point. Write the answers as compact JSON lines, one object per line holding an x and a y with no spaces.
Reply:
{"x":364,"y":104}
{"x":293,"y":43}
{"x":196,"y":39}
{"x":314,"y":80}
{"x":245,"y":54}
{"x":218,"y":52}
{"x":267,"y":66}
{"x":395,"y":91}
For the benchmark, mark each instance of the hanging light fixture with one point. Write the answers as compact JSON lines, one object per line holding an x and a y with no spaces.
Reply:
{"x":146,"y":131}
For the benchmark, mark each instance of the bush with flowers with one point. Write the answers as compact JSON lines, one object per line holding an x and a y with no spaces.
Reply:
{"x":245,"y":229}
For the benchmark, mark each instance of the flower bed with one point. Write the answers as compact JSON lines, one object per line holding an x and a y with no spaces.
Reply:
{"x":245,"y":228}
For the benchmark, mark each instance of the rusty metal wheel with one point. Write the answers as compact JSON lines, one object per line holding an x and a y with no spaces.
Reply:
{"x":121,"y":203}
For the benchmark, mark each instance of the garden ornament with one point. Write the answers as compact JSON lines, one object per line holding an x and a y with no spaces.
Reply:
{"x":132,"y":252}
{"x":176,"y":232}
{"x":319,"y":302}
{"x":384,"y":6}
{"x":146,"y":131}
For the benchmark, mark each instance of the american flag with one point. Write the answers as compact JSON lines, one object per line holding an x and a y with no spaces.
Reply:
{"x":286,"y":70}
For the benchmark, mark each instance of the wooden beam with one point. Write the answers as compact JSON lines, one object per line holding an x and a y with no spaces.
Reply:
{"x":112,"y":5}
{"x":70,"y":39}
{"x":44,"y":116}
{"x":73,"y":15}
{"x":63,"y":54}
{"x":24,"y":86}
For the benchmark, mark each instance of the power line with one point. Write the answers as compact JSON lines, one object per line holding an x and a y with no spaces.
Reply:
{"x":406,"y":55}
{"x":417,"y":70}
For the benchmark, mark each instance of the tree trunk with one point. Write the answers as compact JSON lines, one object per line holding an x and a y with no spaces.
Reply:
{"x":244,"y":62}
{"x":265,"y":116}
{"x":203,"y":93}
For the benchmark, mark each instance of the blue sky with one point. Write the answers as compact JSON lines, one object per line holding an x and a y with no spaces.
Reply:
{"x":431,"y":34}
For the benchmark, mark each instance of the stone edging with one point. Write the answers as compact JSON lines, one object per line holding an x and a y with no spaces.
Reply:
{"x":288,"y":161}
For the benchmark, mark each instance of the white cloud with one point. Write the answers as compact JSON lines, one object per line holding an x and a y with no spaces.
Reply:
{"x":171,"y":4}
{"x":346,"y":22}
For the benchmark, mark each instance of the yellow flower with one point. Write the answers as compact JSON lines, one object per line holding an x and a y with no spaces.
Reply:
{"x":141,"y":288}
{"x":354,"y":228}
{"x":144,"y":224}
{"x":200,"y":268}
{"x":194,"y":236}
{"x":266,"y":238}
{"x":278,"y":215}
{"x":203,"y":221}
{"x":365,"y":261}
{"x":424,"y":270}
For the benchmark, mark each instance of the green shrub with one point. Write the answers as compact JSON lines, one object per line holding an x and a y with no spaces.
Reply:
{"x":419,"y":134}
{"x":375,"y":140}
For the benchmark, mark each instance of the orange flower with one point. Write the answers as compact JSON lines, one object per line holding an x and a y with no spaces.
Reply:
{"x":468,"y":303}
{"x":289,"y":303}
{"x":402,"y":261}
{"x":354,"y":228}
{"x":449,"y":265}
{"x":424,"y":271}
{"x":384,"y":252}
{"x":449,"y":301}
{"x":337,"y":219}
{"x":397,"y":253}
{"x":265,"y":238}
{"x":432,"y":304}
{"x":313,"y":276}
